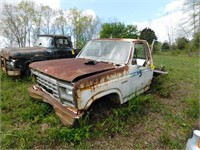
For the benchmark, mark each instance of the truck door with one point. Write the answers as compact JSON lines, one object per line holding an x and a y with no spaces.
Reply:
{"x":140,"y":72}
{"x":63,"y":49}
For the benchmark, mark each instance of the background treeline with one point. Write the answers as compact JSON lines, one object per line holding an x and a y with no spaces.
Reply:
{"x":21,"y":23}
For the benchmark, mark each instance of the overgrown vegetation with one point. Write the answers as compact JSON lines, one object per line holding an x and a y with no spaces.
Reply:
{"x":180,"y":46}
{"x":162,"y":118}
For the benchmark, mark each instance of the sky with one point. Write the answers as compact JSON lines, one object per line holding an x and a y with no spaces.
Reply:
{"x":162,"y":16}
{"x":126,"y":11}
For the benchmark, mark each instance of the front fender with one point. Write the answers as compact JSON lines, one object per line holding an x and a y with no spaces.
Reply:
{"x":102,"y":94}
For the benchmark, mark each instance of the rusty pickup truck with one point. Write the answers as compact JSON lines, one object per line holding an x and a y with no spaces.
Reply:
{"x":119,"y":68}
{"x":15,"y":61}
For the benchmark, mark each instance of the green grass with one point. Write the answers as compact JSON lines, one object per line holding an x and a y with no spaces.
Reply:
{"x":163,"y":118}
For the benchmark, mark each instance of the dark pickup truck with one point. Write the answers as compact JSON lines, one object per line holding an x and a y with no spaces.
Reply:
{"x":15,"y":61}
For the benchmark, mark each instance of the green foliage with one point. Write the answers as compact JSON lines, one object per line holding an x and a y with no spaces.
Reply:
{"x":69,"y":134}
{"x":130,"y":32}
{"x":157,"y":47}
{"x":161,"y":89}
{"x":38,"y":114}
{"x":193,"y":110}
{"x":26,"y":122}
{"x":165,"y":139}
{"x":61,"y":23}
{"x":148,"y":35}
{"x":83,"y":27}
{"x":196,"y":41}
{"x":51,"y":119}
{"x":184,"y":46}
{"x":81,"y":41}
{"x":17,"y":26}
{"x":165,"y":93}
{"x":118,"y":30}
{"x":176,"y":52}
{"x":165,"y":46}
{"x":181,"y":43}
{"x":120,"y":117}
{"x":163,"y":118}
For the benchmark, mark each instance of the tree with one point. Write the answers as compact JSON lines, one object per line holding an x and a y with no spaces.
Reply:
{"x":192,"y":19}
{"x":22,"y":22}
{"x":18,"y":21}
{"x":10,"y":25}
{"x":27,"y":14}
{"x":181,"y":43}
{"x":196,"y":41}
{"x":195,"y":5}
{"x":83,"y":27}
{"x":112,"y":30}
{"x":38,"y":22}
{"x":61,"y":23}
{"x":93,"y":28}
{"x":5,"y":30}
{"x":168,"y":25}
{"x":190,"y":23}
{"x":148,"y":35}
{"x":165,"y":46}
{"x":157,"y":47}
{"x":131,"y":32}
{"x":48,"y":26}
{"x":118,"y":30}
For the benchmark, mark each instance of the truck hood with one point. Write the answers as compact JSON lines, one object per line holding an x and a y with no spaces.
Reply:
{"x":24,"y":52}
{"x":70,"y":70}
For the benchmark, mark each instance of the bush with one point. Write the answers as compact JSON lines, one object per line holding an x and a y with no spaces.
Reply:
{"x":165,"y":46}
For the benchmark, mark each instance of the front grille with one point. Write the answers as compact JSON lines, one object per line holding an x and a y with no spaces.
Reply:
{"x":48,"y":84}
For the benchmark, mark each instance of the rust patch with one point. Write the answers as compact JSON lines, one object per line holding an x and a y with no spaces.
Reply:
{"x":91,"y":82}
{"x":70,"y":69}
{"x":101,"y":77}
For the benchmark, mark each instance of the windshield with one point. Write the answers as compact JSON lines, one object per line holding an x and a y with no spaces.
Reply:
{"x":116,"y":52}
{"x":44,"y":41}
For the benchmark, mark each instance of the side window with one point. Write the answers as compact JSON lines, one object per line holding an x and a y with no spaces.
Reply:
{"x":65,"y":43}
{"x":62,"y":43}
{"x":51,"y":43}
{"x":140,"y":55}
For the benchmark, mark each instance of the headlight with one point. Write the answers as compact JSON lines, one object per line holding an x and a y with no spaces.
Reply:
{"x":11,"y":63}
{"x":66,"y":93}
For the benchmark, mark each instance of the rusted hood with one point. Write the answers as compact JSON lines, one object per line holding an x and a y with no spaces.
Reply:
{"x":70,"y":69}
{"x":25,"y":52}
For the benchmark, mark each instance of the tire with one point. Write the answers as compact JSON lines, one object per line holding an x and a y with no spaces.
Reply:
{"x":26,"y":70}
